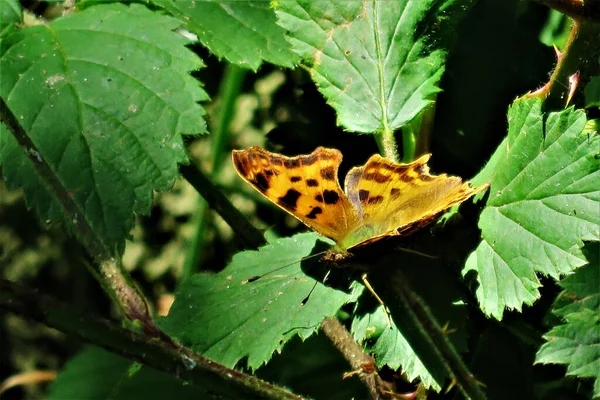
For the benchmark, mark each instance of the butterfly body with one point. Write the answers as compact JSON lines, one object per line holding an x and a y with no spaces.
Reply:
{"x":380,"y":199}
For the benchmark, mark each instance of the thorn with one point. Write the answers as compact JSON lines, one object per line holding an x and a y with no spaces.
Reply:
{"x":573,"y":82}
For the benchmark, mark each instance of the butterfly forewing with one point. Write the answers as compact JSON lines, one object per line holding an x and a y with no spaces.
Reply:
{"x":305,"y":186}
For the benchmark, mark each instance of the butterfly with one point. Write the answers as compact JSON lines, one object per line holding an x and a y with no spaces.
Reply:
{"x":380,"y":199}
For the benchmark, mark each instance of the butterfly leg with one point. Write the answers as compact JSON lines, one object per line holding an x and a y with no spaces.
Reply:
{"x":363,"y":277}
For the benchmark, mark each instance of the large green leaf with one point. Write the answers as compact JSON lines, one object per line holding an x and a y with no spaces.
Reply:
{"x":244,"y":32}
{"x":229,"y":315}
{"x":576,"y":343}
{"x":105,"y":95}
{"x":377,"y":63}
{"x":544,"y":201}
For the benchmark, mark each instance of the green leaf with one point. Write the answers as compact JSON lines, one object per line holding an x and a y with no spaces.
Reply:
{"x":592,"y":92}
{"x":377,"y":63}
{"x":391,"y":348}
{"x":243,"y":32}
{"x":229,"y":315}
{"x":97,"y":374}
{"x":576,"y":343}
{"x":10,"y":14}
{"x":544,"y":200}
{"x":105,"y":95}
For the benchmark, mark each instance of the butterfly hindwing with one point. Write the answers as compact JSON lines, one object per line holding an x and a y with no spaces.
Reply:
{"x":305,"y":186}
{"x":398,"y":198}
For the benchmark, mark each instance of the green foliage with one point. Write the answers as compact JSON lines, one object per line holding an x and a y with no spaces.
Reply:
{"x":106,"y":120}
{"x":372,"y":60}
{"x":544,"y":200}
{"x":108,"y":98}
{"x":269,"y":311}
{"x":576,"y":343}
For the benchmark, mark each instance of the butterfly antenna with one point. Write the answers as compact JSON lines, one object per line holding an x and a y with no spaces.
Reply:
{"x":417,"y":253}
{"x":257,"y":277}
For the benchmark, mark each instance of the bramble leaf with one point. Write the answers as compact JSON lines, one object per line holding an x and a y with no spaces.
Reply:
{"x":377,"y":63}
{"x":544,"y":201}
{"x":105,"y":95}
{"x":229,"y":315}
{"x":576,"y":343}
{"x":243,"y":32}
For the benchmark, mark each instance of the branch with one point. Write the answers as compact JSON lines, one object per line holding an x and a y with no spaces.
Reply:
{"x":576,"y":9}
{"x":155,"y":353}
{"x":575,"y":60}
{"x":353,"y":353}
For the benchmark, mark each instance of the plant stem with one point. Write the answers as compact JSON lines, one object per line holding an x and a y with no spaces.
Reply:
{"x":576,"y":9}
{"x":155,"y":353}
{"x":583,"y":42}
{"x":107,"y":266}
{"x":228,"y":93}
{"x":387,"y":144}
{"x":353,"y":353}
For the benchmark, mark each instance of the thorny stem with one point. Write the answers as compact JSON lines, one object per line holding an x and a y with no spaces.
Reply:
{"x":181,"y":362}
{"x":583,"y":42}
{"x":353,"y":353}
{"x":576,"y":9}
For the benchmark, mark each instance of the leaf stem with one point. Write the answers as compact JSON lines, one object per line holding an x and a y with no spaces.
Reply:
{"x":228,"y":93}
{"x":353,"y":353}
{"x":158,"y":354}
{"x":107,"y":266}
{"x":575,"y":58}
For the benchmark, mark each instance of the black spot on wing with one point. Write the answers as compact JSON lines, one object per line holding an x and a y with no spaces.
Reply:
{"x":406,"y":178}
{"x":330,"y":196}
{"x":363,"y":195}
{"x":377,"y":177}
{"x":328,"y":173}
{"x":395,"y":193}
{"x":375,"y":200}
{"x":261,"y":182}
{"x":319,"y":198}
{"x":314,"y":212}
{"x":295,"y":179}
{"x":290,"y":199}
{"x":312,"y":182}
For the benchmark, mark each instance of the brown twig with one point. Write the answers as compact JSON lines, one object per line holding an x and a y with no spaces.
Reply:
{"x":576,"y":9}
{"x":353,"y":353}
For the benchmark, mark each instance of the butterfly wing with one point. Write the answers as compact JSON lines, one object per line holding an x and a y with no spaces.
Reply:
{"x":394,"y":199}
{"x":305,"y":186}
